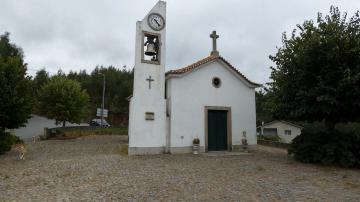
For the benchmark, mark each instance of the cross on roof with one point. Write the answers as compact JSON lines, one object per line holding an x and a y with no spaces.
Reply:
{"x":214,"y":37}
{"x":150,"y":80}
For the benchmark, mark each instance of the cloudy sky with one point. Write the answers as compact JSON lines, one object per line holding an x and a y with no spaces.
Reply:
{"x":80,"y":34}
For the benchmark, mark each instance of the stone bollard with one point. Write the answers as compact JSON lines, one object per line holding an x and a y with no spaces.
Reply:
{"x":196,"y":145}
{"x":244,"y":142}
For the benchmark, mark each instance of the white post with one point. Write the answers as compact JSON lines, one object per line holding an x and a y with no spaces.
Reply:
{"x":103,"y":100}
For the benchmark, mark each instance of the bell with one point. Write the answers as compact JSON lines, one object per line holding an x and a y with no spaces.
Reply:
{"x":150,"y":49}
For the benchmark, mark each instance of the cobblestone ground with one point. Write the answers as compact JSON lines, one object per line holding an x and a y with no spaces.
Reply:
{"x":95,"y":169}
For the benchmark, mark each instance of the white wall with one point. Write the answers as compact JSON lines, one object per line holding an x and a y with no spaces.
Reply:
{"x":281,"y":127}
{"x":35,"y":126}
{"x":191,"y":93}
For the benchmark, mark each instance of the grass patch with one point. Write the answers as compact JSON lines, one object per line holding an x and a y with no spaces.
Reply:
{"x":260,"y":168}
{"x":352,"y":185}
{"x":121,"y":150}
{"x":275,"y":138}
{"x":112,"y":131}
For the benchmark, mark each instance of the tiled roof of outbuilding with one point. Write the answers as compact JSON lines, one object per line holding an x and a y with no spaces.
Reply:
{"x":204,"y":61}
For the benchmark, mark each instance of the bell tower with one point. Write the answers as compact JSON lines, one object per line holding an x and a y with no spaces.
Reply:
{"x":147,"y":116}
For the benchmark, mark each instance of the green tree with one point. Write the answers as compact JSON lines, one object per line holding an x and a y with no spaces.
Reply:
{"x":317,"y":73}
{"x":118,"y":88}
{"x":41,"y":78}
{"x":63,"y":99}
{"x":16,"y":100}
{"x":264,"y":106}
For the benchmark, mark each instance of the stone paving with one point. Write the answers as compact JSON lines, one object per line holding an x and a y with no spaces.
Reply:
{"x":96,"y":169}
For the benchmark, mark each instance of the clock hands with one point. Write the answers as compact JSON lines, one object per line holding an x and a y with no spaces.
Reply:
{"x":157,"y":22}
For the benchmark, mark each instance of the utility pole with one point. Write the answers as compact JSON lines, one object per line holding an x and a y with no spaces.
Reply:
{"x":103,"y":100}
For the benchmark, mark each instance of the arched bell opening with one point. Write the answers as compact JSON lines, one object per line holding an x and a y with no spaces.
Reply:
{"x":151,"y":48}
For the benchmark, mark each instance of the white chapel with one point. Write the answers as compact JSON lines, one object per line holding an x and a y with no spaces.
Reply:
{"x":209,"y":99}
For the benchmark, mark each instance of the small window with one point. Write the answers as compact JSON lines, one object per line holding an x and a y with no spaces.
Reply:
{"x":287,"y":132}
{"x":270,"y":131}
{"x":149,"y":116}
{"x":216,"y":82}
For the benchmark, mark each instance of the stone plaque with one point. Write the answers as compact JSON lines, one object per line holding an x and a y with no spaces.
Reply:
{"x":149,"y":116}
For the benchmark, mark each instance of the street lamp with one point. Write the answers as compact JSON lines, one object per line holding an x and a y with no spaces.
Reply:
{"x":103,"y":100}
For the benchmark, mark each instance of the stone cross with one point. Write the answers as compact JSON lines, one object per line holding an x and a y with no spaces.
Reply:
{"x":150,"y":80}
{"x":214,"y":52}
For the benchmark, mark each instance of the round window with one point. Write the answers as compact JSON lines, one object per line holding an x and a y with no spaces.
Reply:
{"x":216,"y":82}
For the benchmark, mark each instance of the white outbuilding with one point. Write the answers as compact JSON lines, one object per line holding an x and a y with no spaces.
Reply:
{"x":209,"y":99}
{"x":285,"y":130}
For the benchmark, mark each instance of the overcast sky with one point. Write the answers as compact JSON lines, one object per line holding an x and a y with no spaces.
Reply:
{"x":80,"y":34}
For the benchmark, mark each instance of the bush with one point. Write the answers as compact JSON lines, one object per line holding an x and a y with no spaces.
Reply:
{"x":7,"y":140}
{"x":316,"y":144}
{"x":196,"y":141}
{"x":269,"y":138}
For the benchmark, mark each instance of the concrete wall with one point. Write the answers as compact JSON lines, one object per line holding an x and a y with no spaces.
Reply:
{"x":148,"y":136}
{"x":35,"y":126}
{"x":190,"y":94}
{"x":281,"y":127}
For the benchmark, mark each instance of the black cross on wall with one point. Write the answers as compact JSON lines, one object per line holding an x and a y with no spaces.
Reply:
{"x":150,"y":80}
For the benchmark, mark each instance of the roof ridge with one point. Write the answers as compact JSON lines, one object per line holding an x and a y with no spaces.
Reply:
{"x":193,"y":65}
{"x":283,"y":121}
{"x":204,"y":61}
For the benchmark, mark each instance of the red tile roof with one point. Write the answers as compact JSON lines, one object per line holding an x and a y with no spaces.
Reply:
{"x":204,"y":61}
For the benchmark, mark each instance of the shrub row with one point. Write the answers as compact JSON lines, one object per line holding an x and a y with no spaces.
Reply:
{"x":7,"y":140}
{"x":74,"y":132}
{"x":316,"y":144}
{"x":275,"y":138}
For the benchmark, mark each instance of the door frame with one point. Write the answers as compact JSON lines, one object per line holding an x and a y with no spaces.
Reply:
{"x":228,"y":124}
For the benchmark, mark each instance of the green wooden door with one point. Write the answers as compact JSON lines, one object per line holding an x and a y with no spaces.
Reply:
{"x":217,"y":130}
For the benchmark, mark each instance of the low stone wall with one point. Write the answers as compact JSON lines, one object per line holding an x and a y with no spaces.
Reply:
{"x":51,"y":132}
{"x":273,"y":144}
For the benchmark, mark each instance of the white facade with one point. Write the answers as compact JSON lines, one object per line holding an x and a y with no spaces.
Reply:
{"x":189,"y":94}
{"x":147,"y":137}
{"x":281,"y":127}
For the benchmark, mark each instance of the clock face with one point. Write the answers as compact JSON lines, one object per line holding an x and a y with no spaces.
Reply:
{"x":156,"y":21}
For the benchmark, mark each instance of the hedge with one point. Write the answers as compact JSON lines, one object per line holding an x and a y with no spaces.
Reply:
{"x":317,"y":144}
{"x":7,"y":140}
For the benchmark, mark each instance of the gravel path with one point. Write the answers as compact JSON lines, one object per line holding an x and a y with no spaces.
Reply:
{"x":95,"y":169}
